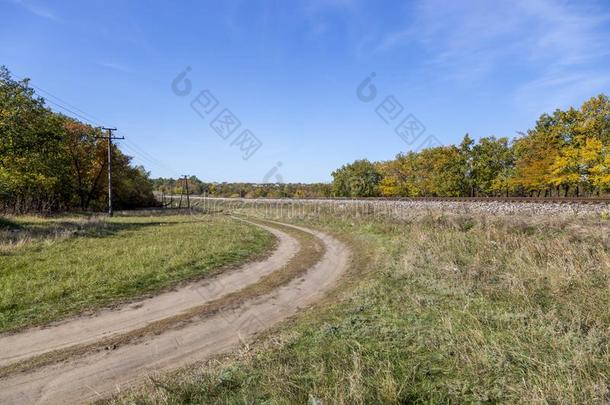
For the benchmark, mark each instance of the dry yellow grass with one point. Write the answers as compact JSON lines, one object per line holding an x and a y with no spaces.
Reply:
{"x":436,"y":308}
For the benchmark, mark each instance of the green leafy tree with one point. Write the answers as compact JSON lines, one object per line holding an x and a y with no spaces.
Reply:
{"x":51,"y":162}
{"x":358,"y":179}
{"x":491,"y":158}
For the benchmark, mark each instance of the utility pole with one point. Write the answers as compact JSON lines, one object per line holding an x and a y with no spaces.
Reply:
{"x":110,"y":138}
{"x":186,"y":186}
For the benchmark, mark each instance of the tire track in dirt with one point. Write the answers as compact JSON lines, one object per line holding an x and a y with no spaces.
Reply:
{"x":105,"y":323}
{"x":103,"y":373}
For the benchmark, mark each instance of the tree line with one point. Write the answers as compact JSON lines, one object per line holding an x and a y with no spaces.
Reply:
{"x":567,"y":153}
{"x":51,"y":162}
{"x":171,"y":186}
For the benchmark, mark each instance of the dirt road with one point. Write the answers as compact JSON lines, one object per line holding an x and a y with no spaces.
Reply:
{"x":106,"y":323}
{"x":102,"y":373}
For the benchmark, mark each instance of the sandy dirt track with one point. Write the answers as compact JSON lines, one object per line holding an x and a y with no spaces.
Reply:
{"x":103,"y":373}
{"x":87,"y":329}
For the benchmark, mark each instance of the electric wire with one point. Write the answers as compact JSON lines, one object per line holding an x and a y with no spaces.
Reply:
{"x":90,"y":119}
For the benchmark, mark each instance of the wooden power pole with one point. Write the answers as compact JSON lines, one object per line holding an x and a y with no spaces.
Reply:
{"x":186,"y":186}
{"x":110,"y":138}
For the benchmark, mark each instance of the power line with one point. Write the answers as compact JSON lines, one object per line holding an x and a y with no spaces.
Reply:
{"x":92,"y":123}
{"x":132,"y":151}
{"x":149,"y":161}
{"x":144,"y":154}
{"x":92,"y":119}
{"x":96,"y":122}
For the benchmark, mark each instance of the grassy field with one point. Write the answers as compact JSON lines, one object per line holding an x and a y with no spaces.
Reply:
{"x":436,"y":309}
{"x":54,"y":267}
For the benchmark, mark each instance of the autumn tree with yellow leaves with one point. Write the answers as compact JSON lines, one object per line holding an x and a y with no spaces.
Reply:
{"x":567,"y":153}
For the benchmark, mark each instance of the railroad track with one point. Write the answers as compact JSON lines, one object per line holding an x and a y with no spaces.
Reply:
{"x":543,"y":200}
{"x":538,"y":200}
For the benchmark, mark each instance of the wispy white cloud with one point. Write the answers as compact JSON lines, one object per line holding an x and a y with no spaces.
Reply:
{"x":115,"y":66}
{"x":38,"y":10}
{"x":556,"y":46}
{"x":561,"y":90}
{"x":571,"y":48}
{"x":570,"y":34}
{"x":465,"y":33}
{"x":317,"y":12}
{"x":316,"y":6}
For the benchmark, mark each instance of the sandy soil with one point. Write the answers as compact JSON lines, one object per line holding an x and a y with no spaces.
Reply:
{"x":102,"y":373}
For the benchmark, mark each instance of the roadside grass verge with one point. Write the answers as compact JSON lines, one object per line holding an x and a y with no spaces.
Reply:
{"x":435,"y":309}
{"x":51,"y":268}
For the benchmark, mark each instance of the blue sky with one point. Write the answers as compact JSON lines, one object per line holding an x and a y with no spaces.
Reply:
{"x":289,"y":72}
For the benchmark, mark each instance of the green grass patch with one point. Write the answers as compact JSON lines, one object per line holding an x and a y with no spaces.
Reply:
{"x":54,"y":267}
{"x":435,"y":309}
